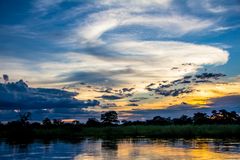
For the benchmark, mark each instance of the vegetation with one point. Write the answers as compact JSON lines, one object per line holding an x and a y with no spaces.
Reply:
{"x":220,"y":124}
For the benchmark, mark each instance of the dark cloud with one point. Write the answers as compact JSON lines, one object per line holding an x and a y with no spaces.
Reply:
{"x":210,"y":75}
{"x":18,"y":95}
{"x":188,"y":64}
{"x":169,"y":90}
{"x":150,"y":85}
{"x":127,"y":89}
{"x":172,"y":92}
{"x":176,"y":81}
{"x":202,"y":81}
{"x":123,"y":91}
{"x":180,"y":86}
{"x":111,"y":97}
{"x":231,"y":102}
{"x":187,"y":77}
{"x":185,"y":81}
{"x":114,"y":94}
{"x":165,"y":85}
{"x":134,"y":100}
{"x":104,"y":90}
{"x":174,"y":68}
{"x":132,"y":104}
{"x":137,"y":99}
{"x":108,"y":105}
{"x":102,"y":77}
{"x":89,"y":77}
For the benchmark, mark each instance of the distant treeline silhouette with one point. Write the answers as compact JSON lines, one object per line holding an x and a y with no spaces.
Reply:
{"x":23,"y":128}
{"x":111,"y":118}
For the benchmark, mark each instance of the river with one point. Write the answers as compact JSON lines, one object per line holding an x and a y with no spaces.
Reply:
{"x":121,"y":149}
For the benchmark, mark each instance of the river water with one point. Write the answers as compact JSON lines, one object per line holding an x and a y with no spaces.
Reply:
{"x":121,"y":149}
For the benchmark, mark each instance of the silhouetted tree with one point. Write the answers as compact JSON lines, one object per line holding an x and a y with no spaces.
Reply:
{"x":46,"y":122}
{"x":24,"y":118}
{"x":21,"y":128}
{"x":36,"y":125}
{"x":182,"y":120}
{"x":75,"y":122}
{"x":138,"y":122}
{"x":126,"y":122}
{"x":200,"y":118}
{"x":57,"y":122}
{"x":93,"y":122}
{"x":224,"y":117}
{"x":158,"y":120}
{"x":109,"y":117}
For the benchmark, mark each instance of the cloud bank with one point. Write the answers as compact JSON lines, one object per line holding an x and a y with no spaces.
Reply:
{"x":17,"y":95}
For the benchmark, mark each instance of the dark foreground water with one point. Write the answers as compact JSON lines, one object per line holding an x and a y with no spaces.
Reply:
{"x":124,"y":149}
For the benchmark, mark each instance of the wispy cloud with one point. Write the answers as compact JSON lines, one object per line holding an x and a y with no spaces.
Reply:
{"x":225,"y":28}
{"x":45,"y":5}
{"x":92,"y":29}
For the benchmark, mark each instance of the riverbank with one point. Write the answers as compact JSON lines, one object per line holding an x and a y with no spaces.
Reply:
{"x":158,"y":131}
{"x":169,"y":131}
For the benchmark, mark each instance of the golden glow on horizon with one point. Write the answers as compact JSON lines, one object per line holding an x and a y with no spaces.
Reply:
{"x":200,"y":98}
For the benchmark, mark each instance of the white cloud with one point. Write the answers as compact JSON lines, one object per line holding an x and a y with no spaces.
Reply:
{"x":150,"y":61}
{"x":158,"y":57}
{"x":99,"y":23}
{"x":214,"y":9}
{"x":136,"y":3}
{"x":188,"y":52}
{"x":225,"y":28}
{"x":45,"y":5}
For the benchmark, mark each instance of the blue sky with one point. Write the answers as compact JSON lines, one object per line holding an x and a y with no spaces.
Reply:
{"x":98,"y":48}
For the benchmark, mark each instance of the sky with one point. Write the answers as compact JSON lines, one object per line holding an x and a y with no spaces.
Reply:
{"x":75,"y":59}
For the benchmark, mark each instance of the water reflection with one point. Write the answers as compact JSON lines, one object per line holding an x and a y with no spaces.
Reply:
{"x":150,"y":149}
{"x":122,"y":149}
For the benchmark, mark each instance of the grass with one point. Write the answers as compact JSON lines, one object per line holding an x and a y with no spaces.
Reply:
{"x":169,"y":131}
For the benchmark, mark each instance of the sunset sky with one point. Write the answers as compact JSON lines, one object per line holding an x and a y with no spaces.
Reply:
{"x":74,"y":59}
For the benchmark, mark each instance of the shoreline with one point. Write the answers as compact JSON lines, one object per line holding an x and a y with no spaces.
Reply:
{"x":145,"y":131}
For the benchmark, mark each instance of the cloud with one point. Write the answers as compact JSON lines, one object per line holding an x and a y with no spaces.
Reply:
{"x":111,"y":97}
{"x":217,"y":7}
{"x":228,"y":102}
{"x":132,"y":104}
{"x":45,"y":5}
{"x":133,"y":62}
{"x":88,"y":77}
{"x":136,"y":3}
{"x":172,"y":49}
{"x":210,"y":75}
{"x":127,"y":89}
{"x":173,"y":92}
{"x":209,"y":6}
{"x":183,"y":85}
{"x":108,"y":105}
{"x":17,"y":95}
{"x":90,"y":31}
{"x":225,"y":28}
{"x":100,"y":77}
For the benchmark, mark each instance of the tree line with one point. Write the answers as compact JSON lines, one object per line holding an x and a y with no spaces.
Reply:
{"x":111,"y":118}
{"x":23,"y":128}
